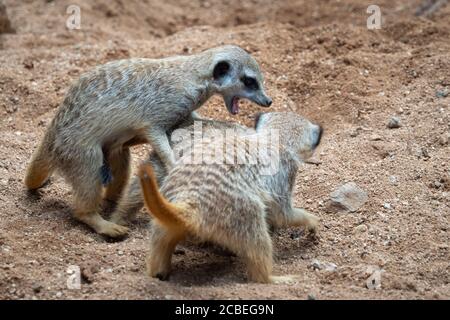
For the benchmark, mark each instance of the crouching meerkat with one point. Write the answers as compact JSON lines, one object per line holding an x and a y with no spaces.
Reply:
{"x":231,"y":205}
{"x":132,"y":200}
{"x":128,"y":102}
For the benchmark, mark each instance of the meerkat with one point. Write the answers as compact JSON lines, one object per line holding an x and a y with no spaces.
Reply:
{"x":132,"y":200}
{"x":128,"y":102}
{"x":231,"y":205}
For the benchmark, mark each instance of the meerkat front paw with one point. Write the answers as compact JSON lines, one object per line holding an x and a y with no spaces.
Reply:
{"x":312,"y":223}
{"x":306,"y":219}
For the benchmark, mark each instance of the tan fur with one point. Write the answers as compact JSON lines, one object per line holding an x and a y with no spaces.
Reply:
{"x":132,"y":201}
{"x":129,"y":102}
{"x":231,"y":204}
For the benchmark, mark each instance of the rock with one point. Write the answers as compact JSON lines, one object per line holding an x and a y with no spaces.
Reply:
{"x":417,"y":151}
{"x":37,"y":288}
{"x":393,"y":180}
{"x":295,"y":234}
{"x":87,"y":274}
{"x":134,"y":268}
{"x":5,"y":24}
{"x":387,"y":206}
{"x":327,"y":266}
{"x":441,"y":183}
{"x":375,"y":137}
{"x":354,"y":134}
{"x":348,"y":197}
{"x":361,"y":228}
{"x":443,"y":139}
{"x":59,"y":294}
{"x":373,"y":282}
{"x":394,"y":123}
{"x":28,"y":64}
{"x":442,"y":93}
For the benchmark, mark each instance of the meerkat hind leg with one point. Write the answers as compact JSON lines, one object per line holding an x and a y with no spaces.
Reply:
{"x":119,"y":163}
{"x":162,"y":246}
{"x":38,"y":170}
{"x":87,"y":203}
{"x":256,"y":248}
{"x":129,"y":204}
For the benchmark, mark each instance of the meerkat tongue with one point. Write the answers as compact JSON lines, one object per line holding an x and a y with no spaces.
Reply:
{"x":235,"y":107}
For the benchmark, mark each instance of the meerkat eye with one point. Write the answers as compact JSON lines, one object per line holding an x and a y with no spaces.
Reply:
{"x":250,"y":82}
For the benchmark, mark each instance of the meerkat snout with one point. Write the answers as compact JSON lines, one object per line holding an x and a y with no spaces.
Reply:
{"x":301,"y":135}
{"x":237,"y":76}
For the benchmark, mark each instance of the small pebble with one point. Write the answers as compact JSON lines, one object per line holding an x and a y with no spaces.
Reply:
{"x":37,"y":288}
{"x":443,"y":139}
{"x":361,"y":228}
{"x":441,"y":93}
{"x":394,"y":123}
{"x":375,"y":137}
{"x":327,"y":266}
{"x":393,"y":179}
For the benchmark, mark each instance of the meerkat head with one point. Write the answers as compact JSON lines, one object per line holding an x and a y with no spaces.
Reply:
{"x":297,"y":134}
{"x":236,"y":75}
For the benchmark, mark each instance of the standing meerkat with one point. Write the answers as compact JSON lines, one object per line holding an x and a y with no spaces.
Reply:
{"x":231,"y":205}
{"x":128,"y":102}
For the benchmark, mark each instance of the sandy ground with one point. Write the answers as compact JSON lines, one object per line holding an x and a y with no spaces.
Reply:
{"x":319,"y":60}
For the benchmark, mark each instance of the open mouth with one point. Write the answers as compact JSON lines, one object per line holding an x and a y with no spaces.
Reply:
{"x":235,"y":105}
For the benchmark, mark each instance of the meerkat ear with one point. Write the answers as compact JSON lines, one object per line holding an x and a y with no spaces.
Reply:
{"x":220,"y":69}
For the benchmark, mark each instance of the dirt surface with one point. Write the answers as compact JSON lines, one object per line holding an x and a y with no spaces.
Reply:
{"x":319,"y":60}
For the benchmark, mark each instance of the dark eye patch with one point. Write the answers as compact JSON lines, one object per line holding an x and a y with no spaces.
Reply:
{"x":250,"y":82}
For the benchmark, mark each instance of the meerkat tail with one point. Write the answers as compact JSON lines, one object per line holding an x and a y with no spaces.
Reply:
{"x":169,"y":214}
{"x":39,"y":168}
